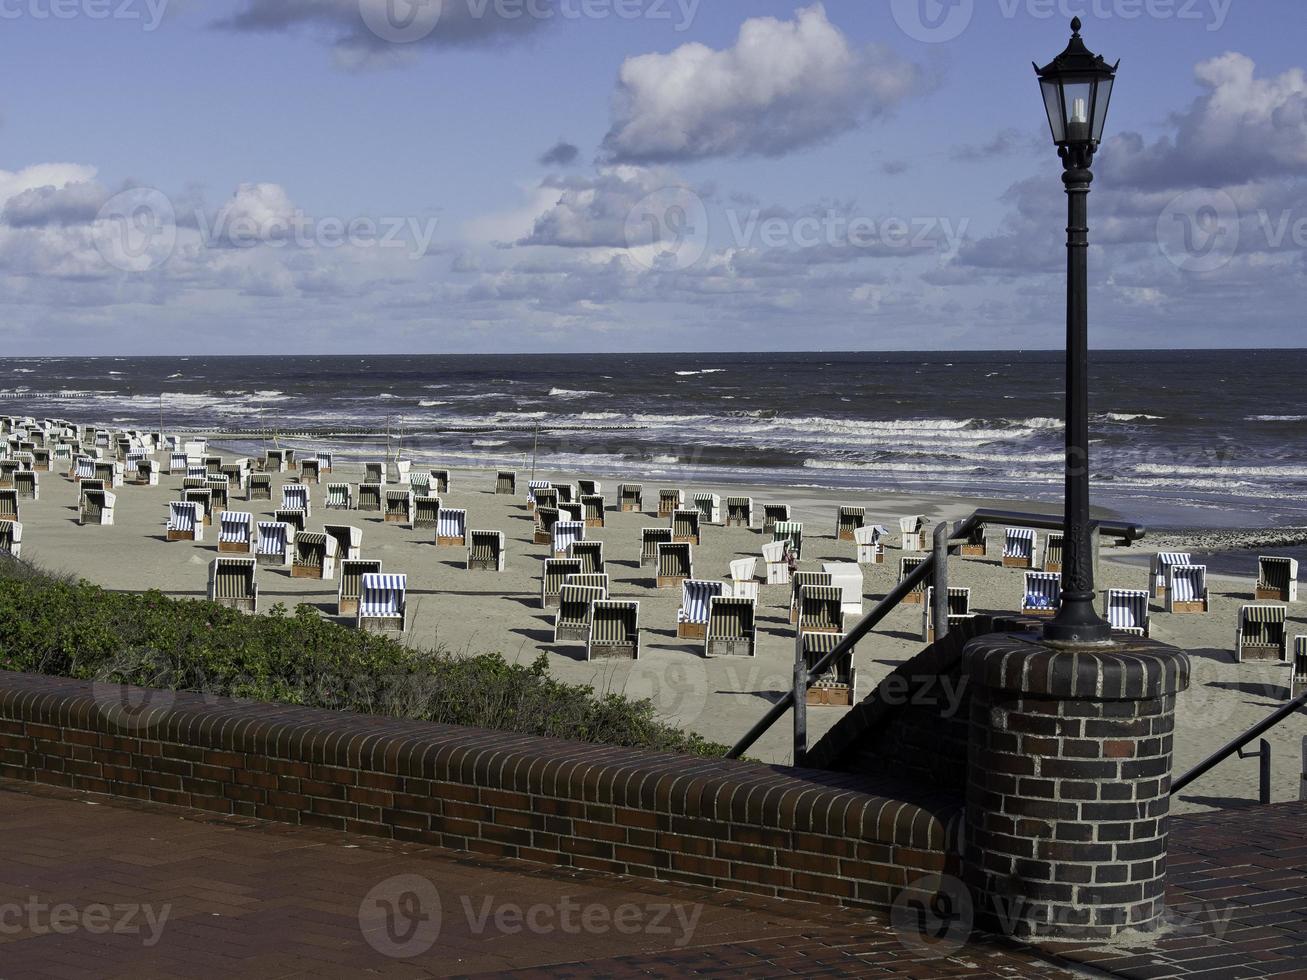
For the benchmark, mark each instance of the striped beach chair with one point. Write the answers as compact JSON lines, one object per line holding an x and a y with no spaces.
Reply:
{"x":232,"y":584}
{"x":591,"y":580}
{"x":912,"y":533}
{"x":870,"y":541}
{"x":41,"y":462}
{"x":194,"y":472}
{"x":259,"y":487}
{"x":739,"y":512}
{"x":773,"y":514}
{"x":485,"y":551}
{"x":1126,"y":610}
{"x":111,"y":473}
{"x":212,"y":466}
{"x":571,"y":511}
{"x":147,"y":473}
{"x":591,"y":555}
{"x":506,"y":482}
{"x":274,"y":461}
{"x":572,"y":621}
{"x":959,"y":608}
{"x":349,"y":540}
{"x":218,"y":497}
{"x":1299,"y":682}
{"x":383,"y":605}
{"x":11,"y":539}
{"x":27,"y":485}
{"x":1262,"y":634}
{"x":790,"y":532}
{"x":83,"y":469}
{"x":675,"y":564}
{"x":836,"y":686}
{"x":8,"y":467}
{"x":399,"y":507}
{"x":426,"y":511}
{"x":692,"y":617}
{"x":369,"y":497}
{"x":1159,"y":573}
{"x":274,"y":545}
{"x":589,"y":488}
{"x":565,"y":534}
{"x":566,"y":492}
{"x":97,"y":508}
{"x":554,"y":573}
{"x":709,"y":506}
{"x":310,"y":471}
{"x":1019,"y":547}
{"x":1277,"y":579}
{"x":314,"y":556}
{"x":185,"y":523}
{"x":451,"y":528}
{"x":907,"y":565}
{"x":778,"y":569}
{"x":236,"y":474}
{"x":797,"y":581}
{"x":650,"y":539}
{"x":235,"y":532}
{"x":847,"y":521}
{"x":325,"y":460}
{"x":534,"y":489}
{"x":177,"y":464}
{"x":1053,"y":551}
{"x":592,"y":510}
{"x":975,"y":546}
{"x":547,"y":499}
{"x":350,"y":589}
{"x":296,"y":496}
{"x":61,"y":457}
{"x":419,"y":482}
{"x":1186,"y":589}
{"x":545,"y":519}
{"x":670,"y":501}
{"x":820,"y":609}
{"x":1043,"y":594}
{"x":630,"y":498}
{"x":439,"y":480}
{"x":685,"y":526}
{"x":614,"y":630}
{"x":731,"y":630}
{"x":292,"y":516}
{"x":374,"y":472}
{"x":340,"y":496}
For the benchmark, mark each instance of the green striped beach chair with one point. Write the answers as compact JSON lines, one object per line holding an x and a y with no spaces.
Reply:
{"x":374,"y":472}
{"x":908,"y":564}
{"x":27,"y":485}
{"x":232,"y":584}
{"x":1299,"y":683}
{"x":350,"y":590}
{"x":685,"y":526}
{"x":739,"y":512}
{"x":340,"y":496}
{"x":553,"y":575}
{"x":837,"y":685}
{"x":485,"y":551}
{"x":203,"y":499}
{"x":572,"y":620}
{"x":773,"y":514}
{"x":959,"y":608}
{"x":731,"y":628}
{"x":369,"y":497}
{"x":545,"y":519}
{"x":791,"y":533}
{"x":848,"y":520}
{"x":650,"y":539}
{"x":1262,"y":634}
{"x":675,"y":564}
{"x":1053,"y":544}
{"x":821,"y":609}
{"x":670,"y":501}
{"x":614,"y":630}
{"x":399,"y":507}
{"x":592,"y":510}
{"x":295,"y":518}
{"x":797,"y":581}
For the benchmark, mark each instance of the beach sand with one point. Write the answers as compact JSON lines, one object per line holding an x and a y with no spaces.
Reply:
{"x":720,"y":698}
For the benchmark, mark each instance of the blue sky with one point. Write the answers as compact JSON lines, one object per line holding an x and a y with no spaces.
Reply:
{"x":281,"y":175}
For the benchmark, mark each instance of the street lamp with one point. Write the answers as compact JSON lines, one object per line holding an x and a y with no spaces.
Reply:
{"x":1077,"y":88}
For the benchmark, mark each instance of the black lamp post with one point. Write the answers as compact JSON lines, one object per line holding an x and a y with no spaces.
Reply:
{"x":1077,"y":87}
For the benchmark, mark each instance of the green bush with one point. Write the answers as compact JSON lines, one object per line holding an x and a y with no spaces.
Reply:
{"x":74,"y":629}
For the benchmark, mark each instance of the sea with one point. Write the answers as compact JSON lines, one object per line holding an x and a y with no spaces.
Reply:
{"x":1186,"y":439}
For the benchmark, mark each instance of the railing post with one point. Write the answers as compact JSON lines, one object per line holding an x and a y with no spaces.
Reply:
{"x":1263,"y":756}
{"x":939,"y":608}
{"x":800,"y":706}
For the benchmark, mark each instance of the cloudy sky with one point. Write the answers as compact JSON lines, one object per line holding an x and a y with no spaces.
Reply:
{"x":266,"y":176}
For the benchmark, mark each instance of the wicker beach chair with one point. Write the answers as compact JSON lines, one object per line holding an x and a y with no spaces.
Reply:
{"x":292,"y":516}
{"x":349,"y":540}
{"x":554,"y":573}
{"x":374,"y":472}
{"x":797,"y":581}
{"x":275,"y":543}
{"x":592,"y":510}
{"x":744,"y":570}
{"x":959,"y":608}
{"x":83,"y":469}
{"x":11,"y":539}
{"x":670,"y":501}
{"x":778,"y":569}
{"x":97,"y":508}
{"x":398,"y":471}
{"x":350,"y":589}
{"x":1053,"y":551}
{"x":566,"y":492}
{"x":177,"y":464}
{"x":485,"y":551}
{"x":731,"y":630}
{"x":907,"y":565}
{"x":1262,"y":634}
{"x":310,"y":471}
{"x":572,"y":620}
{"x":185,"y":522}
{"x":399,"y":507}
{"x":675,"y":564}
{"x":274,"y":461}
{"x":369,"y":498}
{"x":820,"y":609}
{"x":259,"y":487}
{"x":870,"y":541}
{"x":439,"y":480}
{"x":591,"y":555}
{"x":147,"y":473}
{"x":235,"y":532}
{"x":847,"y":521}
{"x":1127,"y":611}
{"x":1159,"y":574}
{"x":8,"y":467}
{"x":571,"y":511}
{"x":975,"y":546}
{"x":426,"y":511}
{"x":232,"y":584}
{"x":218,"y":495}
{"x":383,"y":604}
{"x":650,"y":539}
{"x":739,"y":512}
{"x":340,"y":496}
{"x":1019,"y":547}
{"x":1277,"y":579}
{"x":202,"y":498}
{"x":325,"y":460}
{"x":536,"y":487}
{"x":685,"y":526}
{"x":630,"y":498}
{"x":791,"y":533}
{"x":314,"y":556}
{"x":27,"y":485}
{"x":112,"y":473}
{"x":912,"y":533}
{"x":709,"y":506}
{"x":589,"y":488}
{"x":1186,"y":590}
{"x":614,"y":630}
{"x":545,"y":519}
{"x":773,"y":514}
{"x":847,"y":577}
{"x":451,"y":528}
{"x":692,"y":616}
{"x":506,"y":482}
{"x":1043,"y":594}
{"x":836,"y":687}
{"x":420,"y":483}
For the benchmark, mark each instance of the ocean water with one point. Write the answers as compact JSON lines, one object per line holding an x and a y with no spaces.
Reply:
{"x":1206,"y":438}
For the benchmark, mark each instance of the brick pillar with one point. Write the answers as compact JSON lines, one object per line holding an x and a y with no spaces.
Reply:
{"x":1069,"y":775}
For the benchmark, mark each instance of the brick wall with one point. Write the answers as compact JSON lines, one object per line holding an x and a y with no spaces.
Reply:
{"x":767,"y":829}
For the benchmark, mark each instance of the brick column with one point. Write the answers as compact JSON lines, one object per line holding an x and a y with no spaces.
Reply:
{"x":1069,"y":775}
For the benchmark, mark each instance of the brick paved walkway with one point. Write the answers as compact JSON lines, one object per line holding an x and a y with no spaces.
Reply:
{"x":230,"y":898}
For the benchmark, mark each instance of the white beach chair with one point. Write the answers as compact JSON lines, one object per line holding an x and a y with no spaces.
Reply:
{"x":383,"y":605}
{"x":1262,"y":634}
{"x":11,"y":539}
{"x":397,"y":471}
{"x":692,"y":617}
{"x":1126,"y":610}
{"x":554,"y":574}
{"x":1043,"y":594}
{"x":349,"y":541}
{"x":912,"y":533}
{"x":847,"y":577}
{"x":1186,"y":590}
{"x":739,"y":512}
{"x":675,"y":564}
{"x":1159,"y":574}
{"x":314,"y":556}
{"x":572,"y":620}
{"x":275,"y":543}
{"x":350,"y":589}
{"x":485,"y":551}
{"x":185,"y":521}
{"x":565,"y":534}
{"x":731,"y":630}
{"x":650,"y":539}
{"x":614,"y":630}
{"x":744,"y":570}
{"x":235,"y":532}
{"x":232,"y":584}
{"x":1020,"y":545}
{"x":847,"y":521}
{"x":778,"y":569}
{"x":870,"y":541}
{"x":1277,"y":579}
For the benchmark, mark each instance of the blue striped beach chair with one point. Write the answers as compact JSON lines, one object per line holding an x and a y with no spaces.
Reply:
{"x":296,"y":496}
{"x":399,"y":507}
{"x":325,"y":460}
{"x":847,"y":521}
{"x":506,"y":482}
{"x":959,"y":608}
{"x":177,"y":464}
{"x":258,"y":486}
{"x":630,"y":498}
{"x":1126,"y":610}
{"x":131,"y":461}
{"x":614,"y":630}
{"x":1262,"y":634}
{"x":11,"y":539}
{"x":1043,"y":594}
{"x":739,"y":512}
{"x":675,"y":564}
{"x":836,"y":686}
{"x":1159,"y":574}
{"x":340,"y":496}
{"x":369,"y":497}
{"x":232,"y":584}
{"x":314,"y":556}
{"x":451,"y":529}
{"x":485,"y":551}
{"x":907,"y":565}
{"x":1186,"y":589}
{"x":1019,"y":547}
{"x":185,"y":522}
{"x":685,"y":526}
{"x":821,"y":609}
{"x":1277,"y":579}
{"x":773,"y":514}
{"x":383,"y":604}
{"x":572,"y":621}
{"x":61,"y":457}
{"x":870,"y":541}
{"x":797,"y":581}
{"x":84,"y":468}
{"x":195,"y":471}
{"x":692,"y":617}
{"x":552,"y":577}
{"x":732,"y":630}
{"x":565,"y":534}
{"x":349,"y":540}
{"x":274,"y":545}
{"x":235,"y":532}
{"x":650,"y":539}
{"x":592,"y":510}
{"x":591,"y":555}
{"x":350,"y":589}
{"x":1053,"y":544}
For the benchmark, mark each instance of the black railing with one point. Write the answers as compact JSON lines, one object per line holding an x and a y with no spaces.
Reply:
{"x":935,"y":567}
{"x":1237,"y":744}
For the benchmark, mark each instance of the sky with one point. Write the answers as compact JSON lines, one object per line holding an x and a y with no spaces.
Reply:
{"x":391,"y":176}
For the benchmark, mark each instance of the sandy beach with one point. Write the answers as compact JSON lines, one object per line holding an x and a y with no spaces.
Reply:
{"x":720,"y":698}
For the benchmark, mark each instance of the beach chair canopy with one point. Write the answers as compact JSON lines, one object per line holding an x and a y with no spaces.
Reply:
{"x":1043,"y":590}
{"x":1162,"y":563}
{"x":383,"y":595}
{"x":730,"y":618}
{"x":235,"y":527}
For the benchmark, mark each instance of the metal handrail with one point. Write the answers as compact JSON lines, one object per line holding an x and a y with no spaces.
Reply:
{"x":959,"y":534}
{"x":1230,"y":748}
